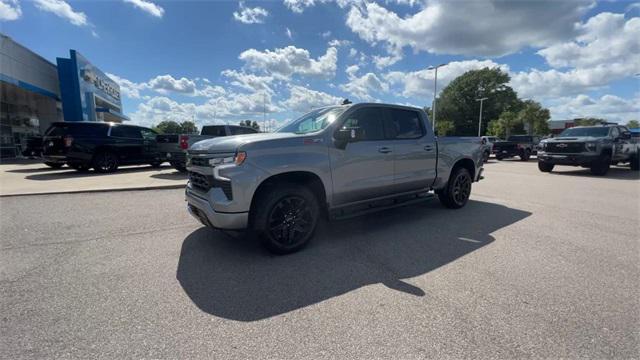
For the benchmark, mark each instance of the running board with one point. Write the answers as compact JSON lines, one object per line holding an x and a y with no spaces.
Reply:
{"x":375,"y":206}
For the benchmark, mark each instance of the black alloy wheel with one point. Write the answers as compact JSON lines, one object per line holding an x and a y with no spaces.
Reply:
{"x":290,"y":221}
{"x":458,"y":190}
{"x":105,"y":162}
{"x":545,"y":166}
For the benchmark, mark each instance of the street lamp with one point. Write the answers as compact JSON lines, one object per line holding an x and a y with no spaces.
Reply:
{"x":435,"y":91}
{"x":480,"y":121}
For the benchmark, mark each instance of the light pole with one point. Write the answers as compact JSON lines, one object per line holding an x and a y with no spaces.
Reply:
{"x":435,"y":91}
{"x":480,"y":120}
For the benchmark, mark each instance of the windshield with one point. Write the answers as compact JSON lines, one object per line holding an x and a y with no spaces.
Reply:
{"x":520,"y":138}
{"x":586,"y":131}
{"x":313,"y":121}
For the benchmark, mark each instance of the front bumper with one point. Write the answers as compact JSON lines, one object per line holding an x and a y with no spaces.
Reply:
{"x":200,"y":209}
{"x":568,"y":159}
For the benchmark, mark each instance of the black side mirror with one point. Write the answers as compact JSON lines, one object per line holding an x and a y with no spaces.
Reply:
{"x":346,"y":135}
{"x":626,"y":135}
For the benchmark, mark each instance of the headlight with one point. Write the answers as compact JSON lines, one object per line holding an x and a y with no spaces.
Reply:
{"x":591,"y":146}
{"x":238,"y":159}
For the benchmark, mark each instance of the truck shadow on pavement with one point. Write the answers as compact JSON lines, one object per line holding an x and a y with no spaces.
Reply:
{"x":234,"y":278}
{"x":68,"y":173}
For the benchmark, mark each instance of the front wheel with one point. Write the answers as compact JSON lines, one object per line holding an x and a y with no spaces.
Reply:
{"x":525,"y":155}
{"x":286,"y":218}
{"x":179,"y":166}
{"x":545,"y":166}
{"x":601,"y":166}
{"x":458,"y":189}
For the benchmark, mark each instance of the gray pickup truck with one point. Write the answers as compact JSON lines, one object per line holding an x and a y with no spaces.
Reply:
{"x":338,"y":161}
{"x":593,"y":147}
{"x":174,"y":147}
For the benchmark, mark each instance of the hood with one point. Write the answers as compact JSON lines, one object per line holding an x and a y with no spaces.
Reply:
{"x":232,"y":143}
{"x":569,"y":139}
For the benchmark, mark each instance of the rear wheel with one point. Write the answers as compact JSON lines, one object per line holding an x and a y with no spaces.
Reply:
{"x":53,"y":165}
{"x":105,"y":162}
{"x":525,"y":155}
{"x":287,"y":218}
{"x":499,"y":157}
{"x":458,"y":189}
{"x":601,"y":167}
{"x":178,"y":166}
{"x":156,"y":164}
{"x":545,"y":166}
{"x":485,"y":156}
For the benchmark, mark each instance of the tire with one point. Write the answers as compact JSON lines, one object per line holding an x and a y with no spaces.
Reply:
{"x":601,"y":167}
{"x":178,"y":166}
{"x":634,"y":163}
{"x":287,"y":207}
{"x":53,"y":165}
{"x":458,"y":189}
{"x":156,"y":164}
{"x":105,"y":162}
{"x":525,"y":155}
{"x":485,"y":156}
{"x":499,"y":158}
{"x":545,"y":166}
{"x":80,"y":167}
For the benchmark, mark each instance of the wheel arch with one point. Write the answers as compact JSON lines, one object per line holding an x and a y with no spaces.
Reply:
{"x":301,"y":177}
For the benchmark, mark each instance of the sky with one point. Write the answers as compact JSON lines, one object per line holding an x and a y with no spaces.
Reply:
{"x":225,"y":61}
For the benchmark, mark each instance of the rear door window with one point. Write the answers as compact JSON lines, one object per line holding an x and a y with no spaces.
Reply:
{"x":214,"y":130}
{"x":405,"y":124}
{"x":129,"y":132}
{"x":78,"y":130}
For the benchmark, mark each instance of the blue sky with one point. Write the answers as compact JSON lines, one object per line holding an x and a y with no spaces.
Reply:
{"x":222,"y":61}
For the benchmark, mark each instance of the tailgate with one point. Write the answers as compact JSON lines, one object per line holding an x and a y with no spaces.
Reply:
{"x":168,"y":143}
{"x":504,"y":146}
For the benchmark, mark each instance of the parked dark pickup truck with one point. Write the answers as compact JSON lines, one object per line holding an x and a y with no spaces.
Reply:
{"x":593,"y":147}
{"x":516,"y":145}
{"x":174,"y":147}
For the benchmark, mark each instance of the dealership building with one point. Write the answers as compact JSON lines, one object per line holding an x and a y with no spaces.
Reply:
{"x":35,"y":93}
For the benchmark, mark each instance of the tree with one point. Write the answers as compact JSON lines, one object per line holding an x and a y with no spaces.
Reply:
{"x":188,"y":127}
{"x":457,"y":102}
{"x":168,"y":127}
{"x":633,"y":124}
{"x":504,"y":125}
{"x":445,"y":127}
{"x":251,"y":124}
{"x":534,"y":118}
{"x":589,"y":121}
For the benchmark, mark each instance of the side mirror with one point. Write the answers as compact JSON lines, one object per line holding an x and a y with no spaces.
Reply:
{"x":346,"y":135}
{"x":626,"y":135}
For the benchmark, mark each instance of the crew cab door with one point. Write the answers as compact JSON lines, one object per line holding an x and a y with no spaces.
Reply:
{"x":415,"y":151}
{"x":364,"y":168}
{"x":128,"y":142}
{"x":150,"y":144}
{"x":623,"y":147}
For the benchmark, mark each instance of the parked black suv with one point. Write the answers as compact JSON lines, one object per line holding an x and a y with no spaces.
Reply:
{"x":101,"y":146}
{"x":516,"y":145}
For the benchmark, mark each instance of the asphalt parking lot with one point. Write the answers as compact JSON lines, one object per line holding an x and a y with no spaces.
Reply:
{"x":537,"y":265}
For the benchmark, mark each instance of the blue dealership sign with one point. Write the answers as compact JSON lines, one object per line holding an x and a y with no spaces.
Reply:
{"x":87,"y":93}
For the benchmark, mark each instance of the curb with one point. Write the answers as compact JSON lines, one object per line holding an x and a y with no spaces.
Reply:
{"x":156,"y":187}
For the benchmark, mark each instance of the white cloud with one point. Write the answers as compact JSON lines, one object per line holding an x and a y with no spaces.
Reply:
{"x":165,"y":83}
{"x":63,"y":10}
{"x":298,"y":6}
{"x":10,"y":10}
{"x":351,"y":71}
{"x":353,"y":52}
{"x":248,"y":81}
{"x":248,"y":15}
{"x":284,"y":62}
{"x":363,"y":87}
{"x":289,"y":34}
{"x":481,"y":28}
{"x":148,"y":7}
{"x":420,"y":83}
{"x":128,"y":88}
{"x":386,"y":61}
{"x":338,"y":43}
{"x":610,"y":107}
{"x":302,"y":99}
{"x":604,"y":39}
{"x":326,"y":34}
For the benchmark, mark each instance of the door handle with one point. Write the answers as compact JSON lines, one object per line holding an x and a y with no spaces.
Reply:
{"x":428,"y":148}
{"x":384,"y":150}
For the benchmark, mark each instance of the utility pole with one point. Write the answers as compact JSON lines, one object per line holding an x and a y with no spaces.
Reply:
{"x":435,"y":91}
{"x":264,"y":112}
{"x":480,"y":120}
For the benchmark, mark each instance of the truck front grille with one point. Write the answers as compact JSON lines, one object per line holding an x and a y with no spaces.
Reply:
{"x":198,"y":161}
{"x":573,"y":147}
{"x":205,"y":183}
